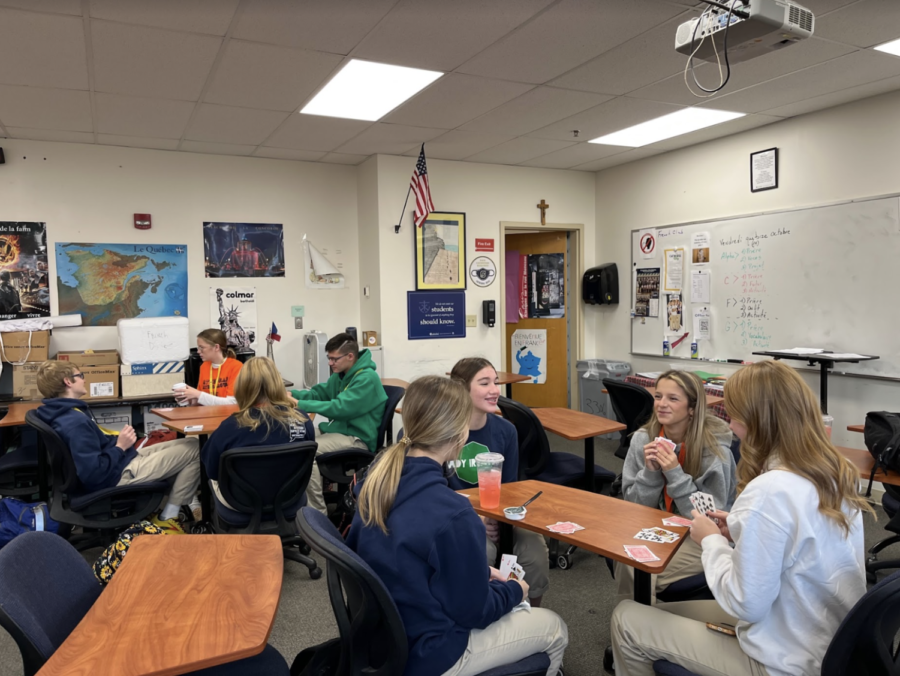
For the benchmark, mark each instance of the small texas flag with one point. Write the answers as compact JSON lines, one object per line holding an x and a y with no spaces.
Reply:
{"x":274,"y":334}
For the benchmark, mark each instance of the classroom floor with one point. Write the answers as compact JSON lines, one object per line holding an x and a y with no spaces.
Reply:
{"x":583,"y":596}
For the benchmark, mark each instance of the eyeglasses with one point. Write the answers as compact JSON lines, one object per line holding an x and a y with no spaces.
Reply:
{"x":78,"y":375}
{"x":335,"y":360}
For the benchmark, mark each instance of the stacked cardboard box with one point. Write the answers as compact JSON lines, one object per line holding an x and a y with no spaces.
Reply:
{"x":100,"y":369}
{"x":32,"y":348}
{"x":140,"y":380}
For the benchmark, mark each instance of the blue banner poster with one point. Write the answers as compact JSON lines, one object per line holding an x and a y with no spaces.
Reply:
{"x":436,"y":314}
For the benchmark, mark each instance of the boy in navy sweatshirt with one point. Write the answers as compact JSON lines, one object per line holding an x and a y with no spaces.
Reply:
{"x":104,"y":460}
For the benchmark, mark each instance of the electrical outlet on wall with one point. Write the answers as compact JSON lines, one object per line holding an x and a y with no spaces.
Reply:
{"x":471,"y":320}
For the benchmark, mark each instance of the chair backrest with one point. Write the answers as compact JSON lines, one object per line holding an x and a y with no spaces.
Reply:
{"x":632,"y":404}
{"x":864,"y":642}
{"x":534,"y":448}
{"x":45,"y":589}
{"x":373,"y":640}
{"x":62,"y":467}
{"x":266,"y":480}
{"x":386,"y":429}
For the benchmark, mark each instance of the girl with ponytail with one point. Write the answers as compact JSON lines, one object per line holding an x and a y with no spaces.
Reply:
{"x":218,"y":374}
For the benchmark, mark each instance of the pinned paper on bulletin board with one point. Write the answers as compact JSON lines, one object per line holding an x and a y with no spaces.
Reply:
{"x":700,"y":248}
{"x":702,"y":330}
{"x":319,"y":271}
{"x":674,"y":274}
{"x":647,"y":242}
{"x":674,"y":314}
{"x":700,"y":286}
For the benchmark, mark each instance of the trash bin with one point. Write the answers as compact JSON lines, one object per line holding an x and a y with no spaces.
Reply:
{"x":591,"y":373}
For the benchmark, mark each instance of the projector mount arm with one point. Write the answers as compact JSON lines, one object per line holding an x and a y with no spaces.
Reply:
{"x":737,"y":12}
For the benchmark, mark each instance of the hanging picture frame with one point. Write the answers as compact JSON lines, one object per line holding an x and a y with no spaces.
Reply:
{"x":440,"y":246}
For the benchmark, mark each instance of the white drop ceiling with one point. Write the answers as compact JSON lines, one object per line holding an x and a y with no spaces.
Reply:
{"x":228,"y":76}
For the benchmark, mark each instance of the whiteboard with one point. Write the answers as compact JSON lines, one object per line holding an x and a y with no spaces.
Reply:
{"x":825,"y":277}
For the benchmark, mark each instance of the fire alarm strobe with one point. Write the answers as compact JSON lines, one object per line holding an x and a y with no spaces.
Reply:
{"x":142,"y":221}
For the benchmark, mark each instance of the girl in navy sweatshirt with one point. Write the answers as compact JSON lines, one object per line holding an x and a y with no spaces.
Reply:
{"x":427,"y":544}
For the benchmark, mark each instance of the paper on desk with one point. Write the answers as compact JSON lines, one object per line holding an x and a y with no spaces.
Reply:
{"x":800,"y":350}
{"x":845,"y":355}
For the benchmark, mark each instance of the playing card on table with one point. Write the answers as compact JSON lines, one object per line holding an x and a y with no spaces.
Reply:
{"x":668,"y":443}
{"x":702,"y":502}
{"x":677,"y":521}
{"x":649,"y":537}
{"x":666,"y":535}
{"x":565,"y":527}
{"x":640,"y":553}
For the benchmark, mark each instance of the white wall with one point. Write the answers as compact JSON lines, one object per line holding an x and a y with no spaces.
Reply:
{"x":845,"y":152}
{"x":487,"y":194}
{"x":89,"y":194}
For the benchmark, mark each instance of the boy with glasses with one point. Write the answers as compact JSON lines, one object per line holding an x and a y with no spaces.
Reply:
{"x":353,"y":401}
{"x":105,"y":460}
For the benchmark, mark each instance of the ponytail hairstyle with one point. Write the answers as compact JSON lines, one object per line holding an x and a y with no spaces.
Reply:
{"x":259,"y":387}
{"x":436,"y":413}
{"x":466,"y":369}
{"x":785,"y":430}
{"x":217,"y":337}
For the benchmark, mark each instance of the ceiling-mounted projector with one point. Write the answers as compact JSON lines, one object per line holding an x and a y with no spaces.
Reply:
{"x":768,"y":25}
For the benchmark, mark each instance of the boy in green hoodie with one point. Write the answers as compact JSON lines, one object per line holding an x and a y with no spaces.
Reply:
{"x":352,"y":399}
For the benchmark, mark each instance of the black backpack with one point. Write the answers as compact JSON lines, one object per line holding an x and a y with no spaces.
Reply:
{"x":882,"y":435}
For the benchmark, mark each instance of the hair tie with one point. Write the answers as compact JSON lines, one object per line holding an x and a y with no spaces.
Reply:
{"x":406,"y":441}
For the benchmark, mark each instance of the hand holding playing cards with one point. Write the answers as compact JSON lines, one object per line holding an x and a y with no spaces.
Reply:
{"x":492,"y":528}
{"x":650,"y":457}
{"x":719,"y":517}
{"x":524,"y":586}
{"x":496,"y":575}
{"x":702,"y":527}
{"x":665,"y":457}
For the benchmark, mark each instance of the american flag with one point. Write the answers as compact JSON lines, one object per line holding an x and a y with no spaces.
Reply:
{"x":419,"y":185}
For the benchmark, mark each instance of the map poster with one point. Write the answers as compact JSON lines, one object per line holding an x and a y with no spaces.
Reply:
{"x":243,"y":249}
{"x":108,"y":282}
{"x":529,"y":346}
{"x":233,"y":310}
{"x":24,"y":285}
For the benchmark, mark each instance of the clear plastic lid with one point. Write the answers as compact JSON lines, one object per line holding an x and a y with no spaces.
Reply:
{"x":488,"y":460}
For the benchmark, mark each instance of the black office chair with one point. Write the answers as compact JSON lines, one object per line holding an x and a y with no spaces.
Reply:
{"x":891,"y":504}
{"x":265,"y":486}
{"x":372,"y":637}
{"x":338,"y":467}
{"x":19,"y":472}
{"x":47,"y":588}
{"x":632,"y":405}
{"x":105,"y":511}
{"x":863,"y":644}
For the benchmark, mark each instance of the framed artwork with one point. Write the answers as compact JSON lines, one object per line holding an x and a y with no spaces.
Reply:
{"x":441,"y":252}
{"x":764,"y":170}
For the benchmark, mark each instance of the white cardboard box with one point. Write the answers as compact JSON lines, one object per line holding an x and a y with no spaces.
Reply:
{"x":158,"y":339}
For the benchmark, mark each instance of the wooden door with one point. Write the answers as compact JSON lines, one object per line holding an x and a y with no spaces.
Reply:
{"x":555,"y":391}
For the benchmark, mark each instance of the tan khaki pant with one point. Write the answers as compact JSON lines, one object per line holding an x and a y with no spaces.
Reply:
{"x":327,"y":443}
{"x":533,"y":555}
{"x":685,"y":563}
{"x":178,"y":461}
{"x":514,"y":637}
{"x":677,"y":633}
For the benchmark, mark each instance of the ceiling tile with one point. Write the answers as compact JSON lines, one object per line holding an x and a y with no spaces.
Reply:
{"x":72,"y":7}
{"x":50,"y":135}
{"x":457,"y":145}
{"x":616,"y":114}
{"x":518,"y":150}
{"x":193,"y":16}
{"x":573,"y":156}
{"x":343,"y":158}
{"x":224,"y":124}
{"x":453,"y":100}
{"x":273,"y":78}
{"x":313,"y":132}
{"x":35,"y":107}
{"x":42,"y":50}
{"x":215,"y":148}
{"x":624,"y":157}
{"x":533,"y":110}
{"x":565,"y":36}
{"x":137,"y":142}
{"x":864,"y":24}
{"x":836,"y":98}
{"x":644,"y":60}
{"x":288,"y":154}
{"x":151,"y":62}
{"x":847,"y":71}
{"x":388,"y":139}
{"x":440,"y":35}
{"x":129,"y":116}
{"x":334,"y":26}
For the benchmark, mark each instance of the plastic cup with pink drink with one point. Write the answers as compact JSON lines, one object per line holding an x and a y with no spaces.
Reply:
{"x":490,"y":472}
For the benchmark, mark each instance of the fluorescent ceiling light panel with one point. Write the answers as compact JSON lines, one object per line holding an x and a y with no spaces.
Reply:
{"x":363,"y":90}
{"x":892,"y":47}
{"x":667,"y":126}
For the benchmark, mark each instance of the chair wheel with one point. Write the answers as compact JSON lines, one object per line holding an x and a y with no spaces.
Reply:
{"x":304,"y":549}
{"x":315,"y":573}
{"x":563,"y":561}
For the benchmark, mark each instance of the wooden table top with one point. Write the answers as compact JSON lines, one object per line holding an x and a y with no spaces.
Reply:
{"x":208,"y":425}
{"x":192,"y":412}
{"x":218,"y":608}
{"x":16,"y":413}
{"x":574,"y":425}
{"x":395,"y":382}
{"x":856,"y":428}
{"x":609,"y":523}
{"x":864,"y":462}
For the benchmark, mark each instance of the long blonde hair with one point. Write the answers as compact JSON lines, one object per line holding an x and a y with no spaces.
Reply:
{"x":703,"y":427}
{"x":259,"y":386}
{"x":436,"y":413}
{"x":784,"y":422}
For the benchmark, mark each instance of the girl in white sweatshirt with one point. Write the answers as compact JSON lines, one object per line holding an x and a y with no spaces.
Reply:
{"x":797,"y":565}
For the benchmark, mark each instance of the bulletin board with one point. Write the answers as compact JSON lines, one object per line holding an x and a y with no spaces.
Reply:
{"x":824,"y":277}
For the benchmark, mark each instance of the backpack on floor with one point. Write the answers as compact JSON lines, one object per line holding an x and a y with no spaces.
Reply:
{"x":17,"y":517}
{"x":109,"y":561}
{"x":882,"y":435}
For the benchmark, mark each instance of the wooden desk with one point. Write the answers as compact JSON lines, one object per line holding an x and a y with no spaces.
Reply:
{"x":856,"y":428}
{"x":574,"y":425}
{"x":864,"y":462}
{"x":608,"y":523}
{"x":209,"y":425}
{"x":221,"y":609}
{"x":16,"y":413}
{"x":177,"y":413}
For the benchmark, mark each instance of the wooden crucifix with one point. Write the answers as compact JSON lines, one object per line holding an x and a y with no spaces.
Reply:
{"x":543,"y":206}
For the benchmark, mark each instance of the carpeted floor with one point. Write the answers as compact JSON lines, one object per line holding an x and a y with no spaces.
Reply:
{"x":583,"y":596}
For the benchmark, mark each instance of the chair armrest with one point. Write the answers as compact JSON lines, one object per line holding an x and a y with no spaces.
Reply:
{"x":83,"y":501}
